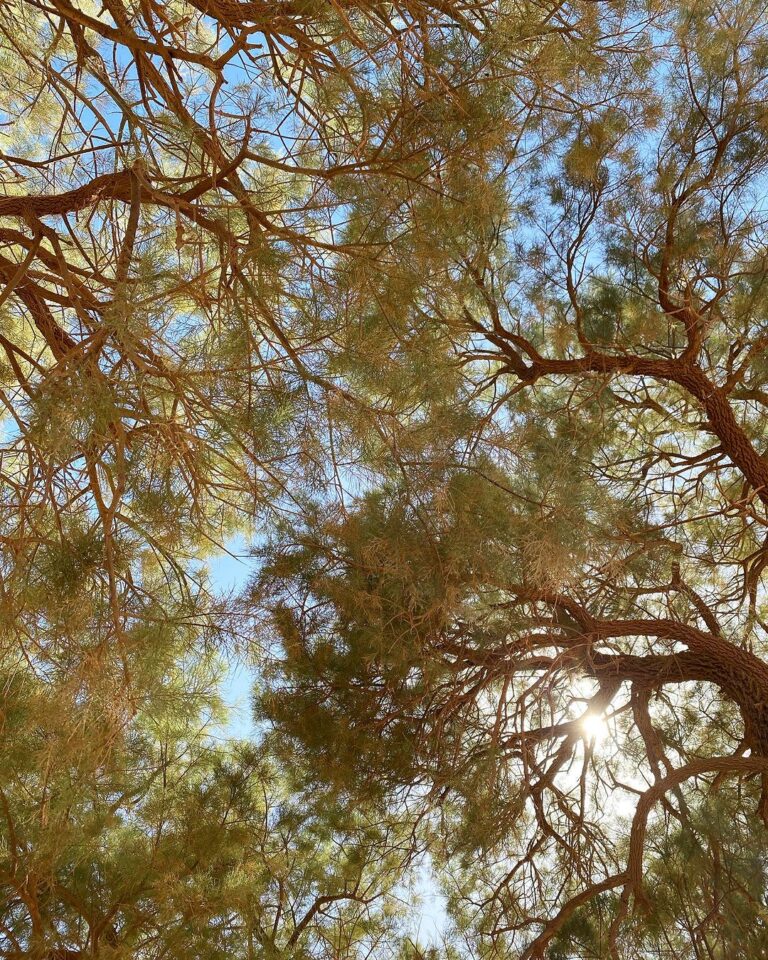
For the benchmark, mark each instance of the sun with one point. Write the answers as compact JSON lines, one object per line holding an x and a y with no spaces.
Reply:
{"x":594,"y":727}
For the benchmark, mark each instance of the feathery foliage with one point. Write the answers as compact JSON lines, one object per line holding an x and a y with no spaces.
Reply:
{"x":456,"y":310}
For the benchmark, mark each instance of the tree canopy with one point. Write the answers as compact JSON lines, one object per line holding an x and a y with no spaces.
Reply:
{"x":456,"y":312}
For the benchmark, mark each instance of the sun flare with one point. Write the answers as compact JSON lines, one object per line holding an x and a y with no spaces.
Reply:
{"x":594,"y":727}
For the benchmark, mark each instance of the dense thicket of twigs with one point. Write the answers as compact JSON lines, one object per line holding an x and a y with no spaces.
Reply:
{"x":458,"y":309}
{"x":175,"y":186}
{"x":177,"y":181}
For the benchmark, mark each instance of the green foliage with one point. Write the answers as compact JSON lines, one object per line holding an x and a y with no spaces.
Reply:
{"x":458,"y":312}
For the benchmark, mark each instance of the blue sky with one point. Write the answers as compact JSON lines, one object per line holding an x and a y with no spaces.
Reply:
{"x":230,"y":572}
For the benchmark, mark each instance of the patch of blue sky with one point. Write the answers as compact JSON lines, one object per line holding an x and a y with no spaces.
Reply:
{"x":428,"y":922}
{"x":229,"y":572}
{"x":9,"y":431}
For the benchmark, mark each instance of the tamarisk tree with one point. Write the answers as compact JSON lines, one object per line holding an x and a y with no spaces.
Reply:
{"x":176,"y":180}
{"x":461,"y":308}
{"x":540,"y":612}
